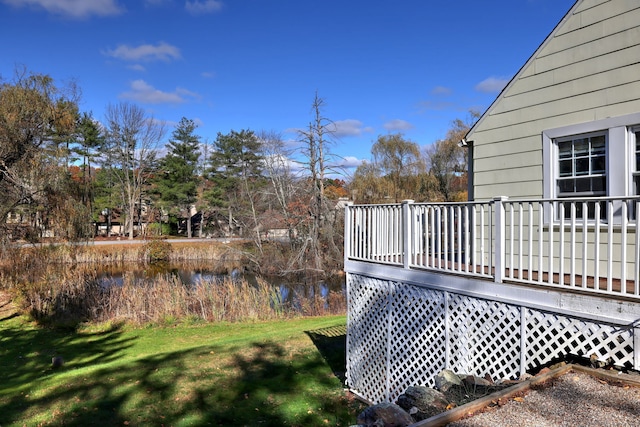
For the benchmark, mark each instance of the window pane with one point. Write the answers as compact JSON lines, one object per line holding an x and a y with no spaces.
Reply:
{"x":598,"y":164}
{"x":566,"y":167}
{"x":581,"y":146}
{"x":599,"y":184}
{"x":582,"y":166}
{"x":583,"y":185}
{"x":597,"y":144}
{"x":564,"y":149}
{"x":565,"y":186}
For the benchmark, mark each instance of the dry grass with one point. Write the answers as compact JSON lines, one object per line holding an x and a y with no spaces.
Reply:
{"x":73,"y":295}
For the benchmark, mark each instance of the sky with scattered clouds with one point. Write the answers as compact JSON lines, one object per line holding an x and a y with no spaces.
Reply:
{"x":381,"y":67}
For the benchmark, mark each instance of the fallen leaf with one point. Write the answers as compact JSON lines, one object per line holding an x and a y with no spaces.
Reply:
{"x":519,"y":399}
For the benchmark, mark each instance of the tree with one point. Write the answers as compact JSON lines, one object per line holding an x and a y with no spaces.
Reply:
{"x":90,"y":139}
{"x":320,"y":242}
{"x":398,"y":160}
{"x":447,"y":161}
{"x":177,"y":179}
{"x":33,"y":113}
{"x":236,"y":172}
{"x":132,"y":139}
{"x":368,"y":186}
{"x":277,"y":170}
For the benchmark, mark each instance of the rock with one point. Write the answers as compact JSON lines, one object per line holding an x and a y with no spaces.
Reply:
{"x":447,"y":379}
{"x":423,"y":402}
{"x":384,"y":415}
{"x":57,"y":361}
{"x":543,"y":371}
{"x":472,"y":380}
{"x":525,"y":376}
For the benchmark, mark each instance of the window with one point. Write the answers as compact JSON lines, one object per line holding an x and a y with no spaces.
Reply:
{"x":582,"y":171}
{"x":593,"y":159}
{"x":582,"y":166}
{"x":636,"y":171}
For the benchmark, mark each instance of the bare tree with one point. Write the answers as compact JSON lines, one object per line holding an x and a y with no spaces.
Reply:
{"x":277,"y":170}
{"x":316,"y":140}
{"x":132,"y":140}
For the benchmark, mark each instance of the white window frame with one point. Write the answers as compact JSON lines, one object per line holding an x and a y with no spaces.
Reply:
{"x":573,"y":158}
{"x":620,"y":166}
{"x":634,"y":154}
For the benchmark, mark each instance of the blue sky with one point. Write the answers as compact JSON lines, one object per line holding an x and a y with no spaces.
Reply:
{"x":381,"y":67}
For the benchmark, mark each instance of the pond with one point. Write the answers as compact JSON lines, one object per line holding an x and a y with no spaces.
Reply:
{"x":293,"y":290}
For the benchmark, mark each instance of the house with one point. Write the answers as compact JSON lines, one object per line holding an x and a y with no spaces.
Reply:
{"x":543,"y":261}
{"x":576,"y":102}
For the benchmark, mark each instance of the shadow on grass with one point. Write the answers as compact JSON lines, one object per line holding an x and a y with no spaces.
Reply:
{"x":26,"y":354}
{"x":262,"y":384}
{"x":332,"y":345}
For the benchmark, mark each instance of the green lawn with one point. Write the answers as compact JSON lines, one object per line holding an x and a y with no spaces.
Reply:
{"x":255,"y":374}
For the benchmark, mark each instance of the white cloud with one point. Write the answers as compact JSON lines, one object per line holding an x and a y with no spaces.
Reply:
{"x":143,"y":92}
{"x":72,"y":8}
{"x":349,"y":127}
{"x":492,"y":84}
{"x":350,"y":162}
{"x":198,"y":7}
{"x":208,"y":74}
{"x":145,"y":52}
{"x":397,"y":125}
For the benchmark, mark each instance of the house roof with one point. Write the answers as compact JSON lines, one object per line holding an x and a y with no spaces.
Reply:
{"x":515,"y":78}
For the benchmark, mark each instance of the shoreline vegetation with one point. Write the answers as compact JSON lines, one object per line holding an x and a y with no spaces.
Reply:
{"x":69,"y":296}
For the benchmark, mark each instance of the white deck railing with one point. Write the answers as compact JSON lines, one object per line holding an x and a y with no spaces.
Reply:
{"x":587,"y":244}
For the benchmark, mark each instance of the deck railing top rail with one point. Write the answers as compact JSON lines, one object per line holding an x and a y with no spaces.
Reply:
{"x":590,"y":244}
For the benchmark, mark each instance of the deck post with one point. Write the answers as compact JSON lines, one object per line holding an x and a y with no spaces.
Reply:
{"x":406,"y":232}
{"x":499,"y":238}
{"x":347,"y":231}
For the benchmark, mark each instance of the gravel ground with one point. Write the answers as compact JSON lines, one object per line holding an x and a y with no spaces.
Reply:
{"x":573,"y":399}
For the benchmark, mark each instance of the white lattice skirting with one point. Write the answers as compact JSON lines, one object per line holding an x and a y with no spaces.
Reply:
{"x":400,"y":334}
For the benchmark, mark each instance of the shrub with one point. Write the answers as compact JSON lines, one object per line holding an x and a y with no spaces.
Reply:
{"x":156,"y":250}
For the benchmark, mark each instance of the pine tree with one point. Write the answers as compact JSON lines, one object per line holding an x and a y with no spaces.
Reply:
{"x":177,"y":180}
{"x":235,"y":172}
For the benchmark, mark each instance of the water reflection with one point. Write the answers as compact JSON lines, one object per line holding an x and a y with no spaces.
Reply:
{"x":293,"y":290}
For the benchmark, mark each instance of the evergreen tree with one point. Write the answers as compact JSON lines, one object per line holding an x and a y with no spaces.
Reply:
{"x":90,"y":139}
{"x":177,"y":179}
{"x":235,"y":172}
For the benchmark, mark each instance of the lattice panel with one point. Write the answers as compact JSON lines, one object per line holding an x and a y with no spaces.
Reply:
{"x":400,"y":335}
{"x":367,"y":336}
{"x":551,"y":335}
{"x":484,"y":337}
{"x":418,"y":336}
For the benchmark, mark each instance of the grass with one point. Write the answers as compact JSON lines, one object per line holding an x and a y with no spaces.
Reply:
{"x":276,"y":373}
